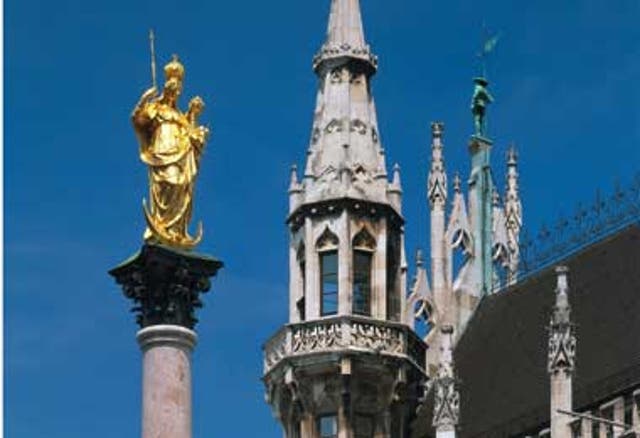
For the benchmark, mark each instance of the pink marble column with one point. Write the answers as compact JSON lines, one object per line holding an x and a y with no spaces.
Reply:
{"x":166,"y":380}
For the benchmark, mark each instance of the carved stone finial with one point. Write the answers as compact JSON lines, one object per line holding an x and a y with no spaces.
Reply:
{"x":294,"y":184}
{"x":437,"y":128}
{"x":437,"y":183}
{"x":512,"y":156}
{"x":495,"y":198}
{"x":419,"y":258}
{"x":457,"y":183}
{"x":562,"y":340}
{"x":396,"y":174}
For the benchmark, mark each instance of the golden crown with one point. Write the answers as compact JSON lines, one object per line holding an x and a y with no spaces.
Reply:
{"x":174,"y":69}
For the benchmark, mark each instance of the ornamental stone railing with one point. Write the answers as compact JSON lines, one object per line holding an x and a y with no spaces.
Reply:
{"x":344,"y":333}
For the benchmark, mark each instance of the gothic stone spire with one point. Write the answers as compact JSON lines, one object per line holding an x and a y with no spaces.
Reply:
{"x":345,"y":158}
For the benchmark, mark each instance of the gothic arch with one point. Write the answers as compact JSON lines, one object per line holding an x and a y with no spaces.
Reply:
{"x":364,"y":240}
{"x":327,"y":240}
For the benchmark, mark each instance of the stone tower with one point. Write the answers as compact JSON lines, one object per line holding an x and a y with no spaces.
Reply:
{"x":346,"y":364}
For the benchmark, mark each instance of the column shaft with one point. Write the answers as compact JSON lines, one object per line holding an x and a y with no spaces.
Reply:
{"x":166,"y":381}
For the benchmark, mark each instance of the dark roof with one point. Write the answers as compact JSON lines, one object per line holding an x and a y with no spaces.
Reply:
{"x":501,"y":358}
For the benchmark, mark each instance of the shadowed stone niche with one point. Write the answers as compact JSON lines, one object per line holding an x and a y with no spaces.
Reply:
{"x":165,"y":284}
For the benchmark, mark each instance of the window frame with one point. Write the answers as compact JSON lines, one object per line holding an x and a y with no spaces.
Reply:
{"x":367,"y":309}
{"x":323,"y":275}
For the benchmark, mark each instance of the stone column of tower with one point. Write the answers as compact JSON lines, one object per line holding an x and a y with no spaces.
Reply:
{"x":562,"y":350}
{"x":347,"y":364}
{"x":437,"y":194}
{"x":165,"y":285}
{"x":446,"y":408}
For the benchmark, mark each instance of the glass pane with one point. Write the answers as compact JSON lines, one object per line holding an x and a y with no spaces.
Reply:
{"x":328,"y":425}
{"x":362,"y":283}
{"x":329,"y":278}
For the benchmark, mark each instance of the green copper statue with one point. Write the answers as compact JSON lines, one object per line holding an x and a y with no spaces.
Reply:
{"x":479,"y":102}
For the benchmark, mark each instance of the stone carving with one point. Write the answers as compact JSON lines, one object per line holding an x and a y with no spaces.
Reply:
{"x":343,"y":333}
{"x":332,"y":50}
{"x":437,"y":183}
{"x":446,"y":409}
{"x":459,"y":228}
{"x":562,"y":340}
{"x":316,"y":337}
{"x":374,"y":135}
{"x":165,"y":284}
{"x":327,"y":240}
{"x":333,"y":126}
{"x":364,"y":239}
{"x":315,"y":136}
{"x":336,"y":76}
{"x":447,"y":403}
{"x":275,"y":349}
{"x":376,"y":338}
{"x":513,"y":216}
{"x":358,"y":126}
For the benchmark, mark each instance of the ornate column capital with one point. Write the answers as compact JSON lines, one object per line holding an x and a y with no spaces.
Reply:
{"x":165,"y":284}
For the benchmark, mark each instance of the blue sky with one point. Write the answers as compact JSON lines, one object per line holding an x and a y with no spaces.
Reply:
{"x":565,"y":77}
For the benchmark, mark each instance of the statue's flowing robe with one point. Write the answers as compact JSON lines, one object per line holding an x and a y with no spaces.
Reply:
{"x":167,"y":147}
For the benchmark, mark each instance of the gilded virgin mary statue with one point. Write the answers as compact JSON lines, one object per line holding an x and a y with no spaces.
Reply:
{"x":171,"y":144}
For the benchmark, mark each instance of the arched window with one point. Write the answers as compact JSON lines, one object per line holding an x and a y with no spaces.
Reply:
{"x":363,"y":247}
{"x":327,"y":246}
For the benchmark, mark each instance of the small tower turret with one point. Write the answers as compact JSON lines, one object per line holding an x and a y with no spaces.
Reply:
{"x":343,"y":364}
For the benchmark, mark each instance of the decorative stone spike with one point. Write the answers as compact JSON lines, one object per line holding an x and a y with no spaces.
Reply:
{"x":437,"y":183}
{"x":513,"y":214}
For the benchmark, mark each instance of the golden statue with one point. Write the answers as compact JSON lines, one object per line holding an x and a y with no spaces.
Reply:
{"x":171,"y":144}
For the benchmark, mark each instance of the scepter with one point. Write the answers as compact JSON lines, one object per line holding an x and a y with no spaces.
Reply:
{"x":153,"y":58}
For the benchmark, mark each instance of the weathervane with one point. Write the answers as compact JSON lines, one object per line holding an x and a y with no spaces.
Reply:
{"x":488,"y":45}
{"x":481,"y":96}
